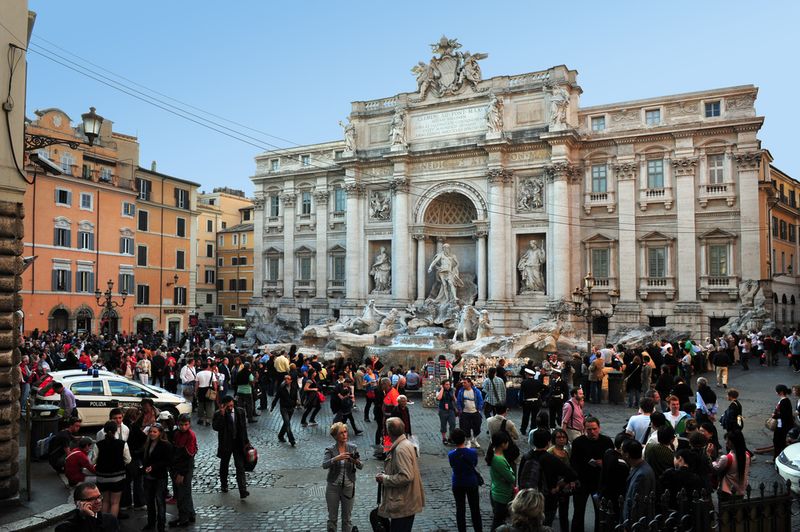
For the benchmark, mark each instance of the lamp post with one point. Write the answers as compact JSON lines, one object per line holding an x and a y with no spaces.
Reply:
{"x":582,"y":306}
{"x":108,"y":304}
{"x":91,"y":128}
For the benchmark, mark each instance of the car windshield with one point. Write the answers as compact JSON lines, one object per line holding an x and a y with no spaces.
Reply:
{"x":154,"y":388}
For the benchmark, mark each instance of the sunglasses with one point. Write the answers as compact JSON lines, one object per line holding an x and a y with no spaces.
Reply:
{"x":92,"y":499}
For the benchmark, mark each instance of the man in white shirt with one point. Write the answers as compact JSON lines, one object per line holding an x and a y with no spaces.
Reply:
{"x":202,"y":384}
{"x":676,"y":417}
{"x":639,"y":424}
{"x":608,"y":354}
{"x":188,"y":376}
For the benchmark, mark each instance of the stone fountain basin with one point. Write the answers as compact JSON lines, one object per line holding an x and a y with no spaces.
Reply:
{"x":406,"y":355}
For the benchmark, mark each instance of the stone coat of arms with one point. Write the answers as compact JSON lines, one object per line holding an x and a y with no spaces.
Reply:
{"x":449,"y":71}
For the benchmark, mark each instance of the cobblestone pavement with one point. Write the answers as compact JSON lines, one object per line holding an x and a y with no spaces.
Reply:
{"x":287,"y":487}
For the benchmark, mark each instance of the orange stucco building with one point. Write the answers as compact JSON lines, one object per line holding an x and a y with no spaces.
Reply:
{"x":79,"y":226}
{"x":166,"y":252}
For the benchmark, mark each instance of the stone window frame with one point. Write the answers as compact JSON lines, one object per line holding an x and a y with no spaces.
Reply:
{"x":591,"y":123}
{"x":648,"y":283}
{"x":67,"y":161}
{"x":177,"y":226}
{"x":178,"y":253}
{"x":594,"y":198}
{"x":304,"y":253}
{"x":337,"y":188}
{"x":273,"y":253}
{"x":602,"y":241}
{"x":60,"y":203}
{"x":604,"y":177}
{"x":337,"y":251}
{"x":128,"y":209}
{"x":89,"y":195}
{"x":61,"y":223}
{"x":275,"y":165}
{"x":711,"y":101}
{"x":65,"y":277}
{"x":657,"y":109}
{"x":146,"y":214}
{"x":146,"y":254}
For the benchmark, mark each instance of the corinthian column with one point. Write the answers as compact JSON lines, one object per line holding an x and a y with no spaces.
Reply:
{"x":480,"y":242}
{"x":559,"y":216}
{"x":684,"y":170}
{"x":421,"y":273}
{"x":288,"y":243}
{"x":747,"y":165}
{"x":499,"y":267}
{"x":258,"y":247}
{"x":321,"y":203}
{"x":400,"y":241}
{"x":354,"y":259}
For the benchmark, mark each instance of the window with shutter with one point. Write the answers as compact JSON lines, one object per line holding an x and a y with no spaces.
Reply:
{"x":272,"y":269}
{"x":141,"y":255}
{"x":181,"y":227}
{"x":242,"y":285}
{"x":209,"y":250}
{"x":144,"y":221}
{"x":657,"y":262}
{"x":179,"y":259}
{"x":220,"y":284}
{"x":232,"y":285}
{"x":600,"y":263}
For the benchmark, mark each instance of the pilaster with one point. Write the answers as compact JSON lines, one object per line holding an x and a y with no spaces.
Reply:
{"x":559,"y":240}
{"x":401,"y":249}
{"x":288,"y":201}
{"x":686,"y":264}
{"x":499,"y":266}
{"x":354,"y":259}
{"x":747,"y":165}
{"x":626,"y":173}
{"x":321,"y":203}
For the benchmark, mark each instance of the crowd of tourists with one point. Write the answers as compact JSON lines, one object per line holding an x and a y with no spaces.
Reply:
{"x":682,"y":437}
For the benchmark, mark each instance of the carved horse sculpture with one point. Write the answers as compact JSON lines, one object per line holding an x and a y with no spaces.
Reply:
{"x":467,"y":324}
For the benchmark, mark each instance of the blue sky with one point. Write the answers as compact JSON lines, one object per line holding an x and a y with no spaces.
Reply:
{"x":290,"y":70}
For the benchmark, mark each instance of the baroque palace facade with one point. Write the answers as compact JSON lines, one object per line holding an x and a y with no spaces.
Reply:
{"x":657,"y":198}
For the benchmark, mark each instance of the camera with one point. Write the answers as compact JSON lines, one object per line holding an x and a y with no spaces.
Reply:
{"x":356,"y":456}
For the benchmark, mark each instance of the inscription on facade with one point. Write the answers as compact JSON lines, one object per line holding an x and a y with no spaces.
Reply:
{"x":454,"y":122}
{"x":531,"y":155}
{"x":445,"y":164}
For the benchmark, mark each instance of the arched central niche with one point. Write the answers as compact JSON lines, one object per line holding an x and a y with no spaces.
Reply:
{"x":450,"y":208}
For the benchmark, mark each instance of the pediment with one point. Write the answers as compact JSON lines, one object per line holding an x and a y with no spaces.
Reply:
{"x":127,"y":232}
{"x":655,"y":236}
{"x":599,"y":238}
{"x":718,"y":234}
{"x":273,"y":251}
{"x":338,"y":248}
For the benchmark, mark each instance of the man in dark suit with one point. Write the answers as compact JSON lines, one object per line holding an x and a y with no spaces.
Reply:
{"x":231,"y":426}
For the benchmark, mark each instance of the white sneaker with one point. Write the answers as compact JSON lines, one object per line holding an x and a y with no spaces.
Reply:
{"x":475,"y":443}
{"x":468,"y":444}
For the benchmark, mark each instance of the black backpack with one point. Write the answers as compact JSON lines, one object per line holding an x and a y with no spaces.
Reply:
{"x":531,"y":474}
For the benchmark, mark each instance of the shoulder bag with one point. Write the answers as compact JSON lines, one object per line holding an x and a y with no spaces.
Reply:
{"x":474,"y":470}
{"x":211,"y":393}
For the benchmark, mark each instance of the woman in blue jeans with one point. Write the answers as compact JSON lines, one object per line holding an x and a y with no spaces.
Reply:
{"x":466,"y":480}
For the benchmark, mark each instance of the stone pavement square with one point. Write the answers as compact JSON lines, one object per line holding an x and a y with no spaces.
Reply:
{"x":287,"y":488}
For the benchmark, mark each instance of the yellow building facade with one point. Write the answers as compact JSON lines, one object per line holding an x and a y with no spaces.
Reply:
{"x":235,"y":268}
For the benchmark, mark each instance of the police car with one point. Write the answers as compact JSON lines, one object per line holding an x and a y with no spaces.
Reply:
{"x":96,"y":394}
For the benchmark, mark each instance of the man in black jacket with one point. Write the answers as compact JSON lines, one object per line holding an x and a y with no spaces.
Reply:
{"x":87,"y":516}
{"x":231,"y":426}
{"x":287,"y":395}
{"x":554,"y":476}
{"x":587,"y":460}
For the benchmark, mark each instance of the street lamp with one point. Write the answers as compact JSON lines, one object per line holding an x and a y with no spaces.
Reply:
{"x":91,"y":128}
{"x":108,"y":304}
{"x":582,"y":306}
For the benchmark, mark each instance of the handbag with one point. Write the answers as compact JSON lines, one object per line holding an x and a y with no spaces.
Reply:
{"x":211,"y":393}
{"x":250,"y":457}
{"x":512,"y":452}
{"x":771,"y":423}
{"x":378,"y":523}
{"x":474,"y":470}
{"x":321,"y":397}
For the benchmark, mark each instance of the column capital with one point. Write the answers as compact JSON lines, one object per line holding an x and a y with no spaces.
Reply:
{"x":561,"y":171}
{"x":258,"y":202}
{"x":321,"y":197}
{"x":481,"y":233}
{"x":499,"y":176}
{"x":399,"y":184}
{"x":288,"y":199}
{"x":685,"y":166}
{"x":748,"y":160}
{"x":418,"y":236}
{"x":355,"y":190}
{"x":626,"y":171}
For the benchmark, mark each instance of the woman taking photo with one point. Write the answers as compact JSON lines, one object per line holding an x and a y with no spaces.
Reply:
{"x":155,"y":467}
{"x":341,"y":460}
{"x":503,"y":479}
{"x":734,"y":467}
{"x":110,"y":461}
{"x":783,"y":413}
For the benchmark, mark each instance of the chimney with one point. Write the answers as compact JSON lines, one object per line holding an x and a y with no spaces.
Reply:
{"x":153,"y":166}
